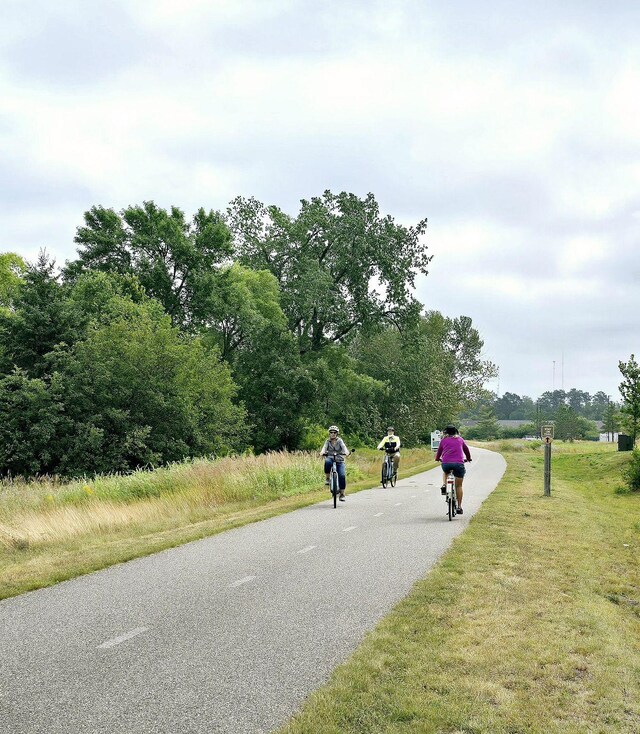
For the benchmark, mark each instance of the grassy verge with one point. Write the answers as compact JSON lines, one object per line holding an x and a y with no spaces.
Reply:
{"x":51,"y":531}
{"x":530,"y":624}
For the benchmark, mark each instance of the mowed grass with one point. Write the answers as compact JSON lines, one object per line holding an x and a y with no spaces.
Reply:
{"x":530,"y":624}
{"x":51,"y":531}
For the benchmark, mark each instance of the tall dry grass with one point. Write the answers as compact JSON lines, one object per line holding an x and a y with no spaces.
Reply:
{"x":40,"y":513}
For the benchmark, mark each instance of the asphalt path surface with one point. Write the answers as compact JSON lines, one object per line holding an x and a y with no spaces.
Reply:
{"x":230,"y":633}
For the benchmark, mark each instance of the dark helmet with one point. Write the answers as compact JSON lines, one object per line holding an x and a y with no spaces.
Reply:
{"x":451,"y":430}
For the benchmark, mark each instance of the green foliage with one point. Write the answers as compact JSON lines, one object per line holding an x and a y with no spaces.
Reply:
{"x":240,"y":306}
{"x":630,"y":391}
{"x":41,"y":318}
{"x":346,"y":397}
{"x":324,"y":260}
{"x":137,"y":393}
{"x":430,"y":371}
{"x":154,"y":345}
{"x":30,"y":421}
{"x":12,"y":272}
{"x":569,"y":426}
{"x":631,"y":472}
{"x":486,"y":429}
{"x":275,"y":387}
{"x":175,"y":260}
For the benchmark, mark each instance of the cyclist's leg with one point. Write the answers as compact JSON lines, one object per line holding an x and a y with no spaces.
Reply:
{"x":342,"y":476}
{"x":327,"y":470}
{"x":443,"y":488}
{"x":459,"y":481}
{"x":396,"y":462}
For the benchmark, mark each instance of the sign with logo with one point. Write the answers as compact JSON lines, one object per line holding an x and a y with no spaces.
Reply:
{"x":546,"y":432}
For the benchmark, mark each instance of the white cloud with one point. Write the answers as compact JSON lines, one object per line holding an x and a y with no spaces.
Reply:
{"x":518,"y":140}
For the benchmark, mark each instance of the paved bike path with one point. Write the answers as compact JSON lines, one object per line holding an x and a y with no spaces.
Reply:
{"x":226,"y":634}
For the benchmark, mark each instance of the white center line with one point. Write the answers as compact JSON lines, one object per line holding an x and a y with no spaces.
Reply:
{"x":413,"y":496}
{"x":378,"y":514}
{"x":351,"y":527}
{"x":397,"y":504}
{"x":239,"y":582}
{"x":307,"y":549}
{"x":123,"y":638}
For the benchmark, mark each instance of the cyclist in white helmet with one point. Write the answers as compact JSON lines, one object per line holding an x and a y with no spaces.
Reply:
{"x":334,"y":447}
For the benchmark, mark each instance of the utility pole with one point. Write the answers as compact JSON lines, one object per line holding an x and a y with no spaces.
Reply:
{"x":553,"y":384}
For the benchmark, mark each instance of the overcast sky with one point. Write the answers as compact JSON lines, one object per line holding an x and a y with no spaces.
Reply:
{"x":514,"y":126}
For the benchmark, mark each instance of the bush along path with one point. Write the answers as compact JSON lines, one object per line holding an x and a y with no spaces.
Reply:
{"x":530,"y":624}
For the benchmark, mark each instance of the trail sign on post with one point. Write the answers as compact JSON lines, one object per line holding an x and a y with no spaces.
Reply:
{"x":546,"y":432}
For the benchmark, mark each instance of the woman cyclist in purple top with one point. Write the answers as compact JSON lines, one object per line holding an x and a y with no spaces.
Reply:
{"x":453,"y":452}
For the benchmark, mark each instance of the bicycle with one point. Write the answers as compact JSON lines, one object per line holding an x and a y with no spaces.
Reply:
{"x":334,"y":484}
{"x":450,"y":496}
{"x":389,"y":474}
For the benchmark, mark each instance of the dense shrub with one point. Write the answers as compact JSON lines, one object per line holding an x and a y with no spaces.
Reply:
{"x":632,"y":471}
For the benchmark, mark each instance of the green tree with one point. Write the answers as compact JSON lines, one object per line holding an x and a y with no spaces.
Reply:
{"x":12,"y":271}
{"x":240,"y":306}
{"x":345,"y":396}
{"x":40,"y":319}
{"x":175,"y":260}
{"x":487,"y":427}
{"x":567,"y":425}
{"x":30,"y":423}
{"x":275,"y":387}
{"x":136,"y":392}
{"x":325,"y":259}
{"x":611,"y":422}
{"x":630,"y":391}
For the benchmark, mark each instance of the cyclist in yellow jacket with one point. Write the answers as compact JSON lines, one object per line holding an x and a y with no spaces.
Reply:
{"x":391,"y":441}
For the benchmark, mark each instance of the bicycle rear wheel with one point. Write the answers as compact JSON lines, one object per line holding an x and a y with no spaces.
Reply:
{"x":394,"y":477}
{"x":450,"y":508}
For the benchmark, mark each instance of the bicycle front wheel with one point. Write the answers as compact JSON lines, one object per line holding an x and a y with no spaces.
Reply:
{"x":334,"y":488}
{"x":394,"y":478}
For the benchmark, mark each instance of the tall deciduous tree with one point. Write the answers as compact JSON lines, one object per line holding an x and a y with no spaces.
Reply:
{"x":630,"y":391}
{"x":341,"y":265}
{"x":174,"y":259}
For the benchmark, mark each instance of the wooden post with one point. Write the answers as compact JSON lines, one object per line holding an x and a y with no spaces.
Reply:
{"x":547,"y":468}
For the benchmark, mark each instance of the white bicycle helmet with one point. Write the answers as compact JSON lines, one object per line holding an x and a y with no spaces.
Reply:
{"x":334,"y":428}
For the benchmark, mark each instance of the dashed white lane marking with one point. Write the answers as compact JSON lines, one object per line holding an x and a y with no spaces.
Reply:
{"x":307,"y":549}
{"x":413,"y":496}
{"x":397,"y":504}
{"x":123,"y":638}
{"x":378,"y":514}
{"x":239,"y":582}
{"x":351,"y":527}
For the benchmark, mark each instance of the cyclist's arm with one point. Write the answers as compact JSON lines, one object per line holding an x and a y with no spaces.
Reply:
{"x":439,"y":451}
{"x":323,"y":450}
{"x":467,"y":453}
{"x":382,"y":443}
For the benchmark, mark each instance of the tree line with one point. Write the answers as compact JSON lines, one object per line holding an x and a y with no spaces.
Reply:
{"x":573,"y":412}
{"x":171,"y":337}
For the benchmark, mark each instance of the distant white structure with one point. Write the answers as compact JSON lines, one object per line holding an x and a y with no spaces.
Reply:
{"x":604,"y":437}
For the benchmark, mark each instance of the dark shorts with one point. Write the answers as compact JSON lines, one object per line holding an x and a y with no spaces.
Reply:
{"x":458,"y":470}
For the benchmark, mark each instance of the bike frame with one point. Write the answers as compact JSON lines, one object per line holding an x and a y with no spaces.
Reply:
{"x":452,"y":502}
{"x":334,"y":483}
